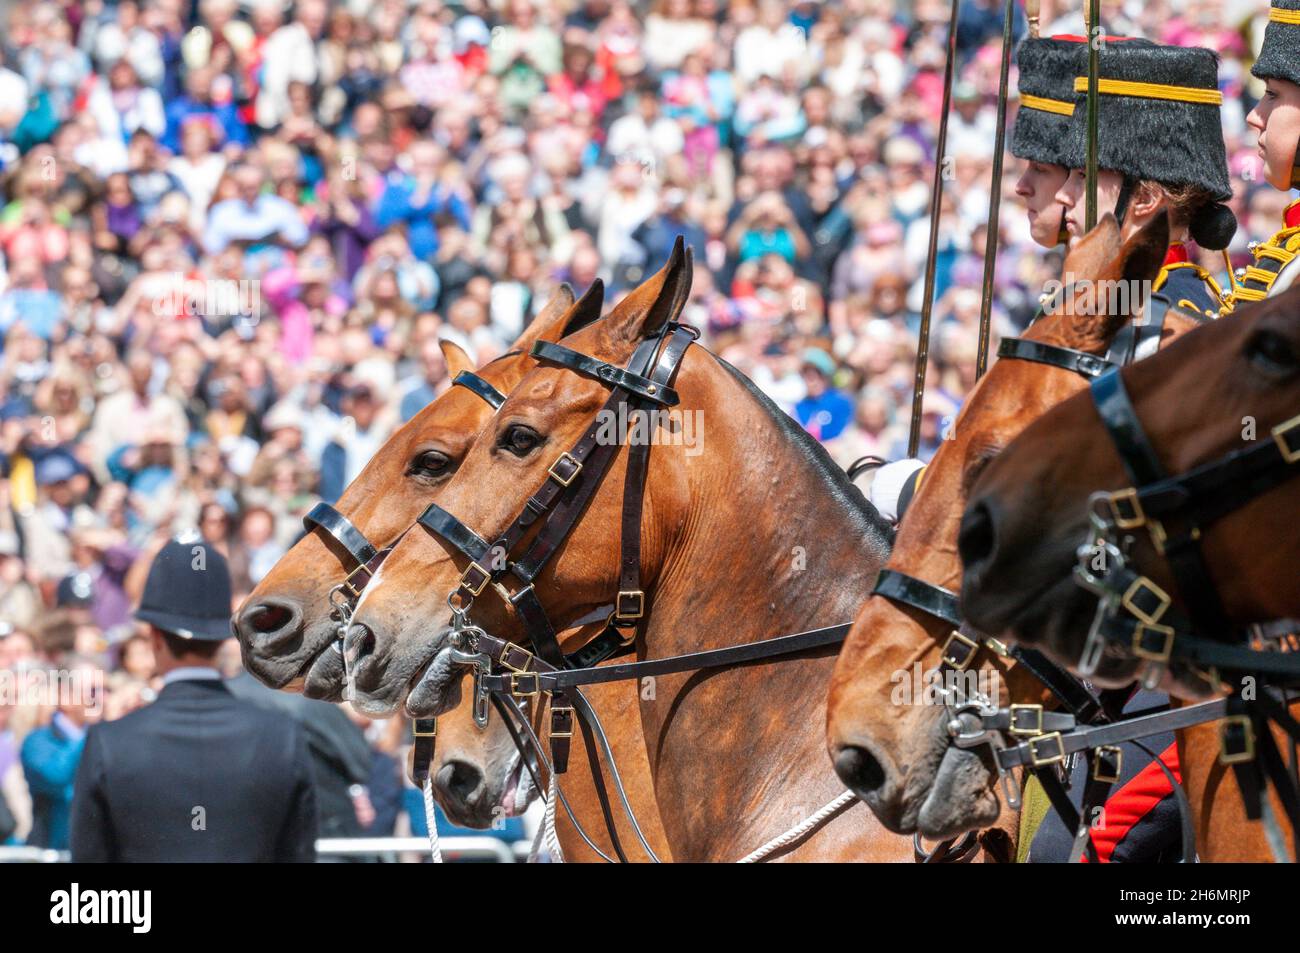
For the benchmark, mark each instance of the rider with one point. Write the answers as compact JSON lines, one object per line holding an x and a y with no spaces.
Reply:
{"x":1047,"y":66}
{"x":1276,"y":117}
{"x":1160,"y":149}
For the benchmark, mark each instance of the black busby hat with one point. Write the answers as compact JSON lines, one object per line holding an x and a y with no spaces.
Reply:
{"x":1158,"y":116}
{"x":1047,"y":70}
{"x":1280,"y":57}
{"x":188,"y":590}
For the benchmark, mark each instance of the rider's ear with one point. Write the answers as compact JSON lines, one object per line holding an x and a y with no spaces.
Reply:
{"x":456,"y":358}
{"x":652,"y":304}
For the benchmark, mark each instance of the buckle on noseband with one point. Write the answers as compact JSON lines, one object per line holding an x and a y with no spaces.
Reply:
{"x":353,"y":590}
{"x":1126,"y":509}
{"x":1236,"y":740}
{"x":474,"y":579}
{"x":534,"y":686}
{"x":1145,"y":634}
{"x":629,"y":605}
{"x":1015,"y":724}
{"x":1287,"y":437}
{"x":1103,"y":755}
{"x":1052,"y":741}
{"x":1142,"y":586}
{"x":959,"y":651}
{"x":511,"y":651}
{"x":574,"y":465}
{"x":418,"y":731}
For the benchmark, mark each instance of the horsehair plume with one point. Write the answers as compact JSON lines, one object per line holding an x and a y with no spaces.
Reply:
{"x":1031,"y":14}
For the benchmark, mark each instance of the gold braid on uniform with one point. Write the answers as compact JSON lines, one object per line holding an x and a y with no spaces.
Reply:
{"x":1256,"y":281}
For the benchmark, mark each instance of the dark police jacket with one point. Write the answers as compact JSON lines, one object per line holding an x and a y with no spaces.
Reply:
{"x":198,"y":775}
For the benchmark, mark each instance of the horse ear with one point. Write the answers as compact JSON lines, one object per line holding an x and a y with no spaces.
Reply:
{"x":550,"y":321}
{"x":587,"y":310}
{"x":652,"y":304}
{"x":1143,"y":255}
{"x":1096,"y":250}
{"x":456,"y":358}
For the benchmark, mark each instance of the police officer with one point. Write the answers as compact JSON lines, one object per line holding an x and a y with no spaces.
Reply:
{"x":1160,"y":150}
{"x":198,"y":775}
{"x":1277,"y":120}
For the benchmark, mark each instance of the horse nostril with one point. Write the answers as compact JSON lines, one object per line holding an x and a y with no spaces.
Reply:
{"x":458,"y":780}
{"x":977,"y":538}
{"x":268,"y":622}
{"x":358,"y":643}
{"x":859,"y":769}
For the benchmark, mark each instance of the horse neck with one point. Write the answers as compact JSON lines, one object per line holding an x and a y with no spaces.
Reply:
{"x":793,"y":547}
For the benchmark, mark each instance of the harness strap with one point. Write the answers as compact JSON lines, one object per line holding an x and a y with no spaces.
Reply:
{"x":605,"y":372}
{"x":549,"y":681}
{"x":1054,"y":355}
{"x":342,"y":530}
{"x":472,"y":382}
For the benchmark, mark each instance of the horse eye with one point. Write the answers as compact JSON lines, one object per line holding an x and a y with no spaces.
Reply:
{"x":520,"y":440}
{"x":1271,"y":352}
{"x":431,"y":463}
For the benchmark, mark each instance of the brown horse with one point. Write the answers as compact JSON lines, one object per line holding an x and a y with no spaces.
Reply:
{"x":756,"y":534}
{"x":1218,"y":390}
{"x":286,"y":629}
{"x":894,"y":751}
{"x":1193,"y":401}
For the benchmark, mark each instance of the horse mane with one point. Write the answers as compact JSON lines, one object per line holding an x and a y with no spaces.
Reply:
{"x":839,"y":487}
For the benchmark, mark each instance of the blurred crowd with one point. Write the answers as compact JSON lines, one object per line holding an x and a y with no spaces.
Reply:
{"x":233,"y":233}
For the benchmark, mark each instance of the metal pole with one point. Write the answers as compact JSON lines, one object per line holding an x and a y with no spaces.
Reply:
{"x":1094,"y":68}
{"x":995,"y":195}
{"x":932,"y":261}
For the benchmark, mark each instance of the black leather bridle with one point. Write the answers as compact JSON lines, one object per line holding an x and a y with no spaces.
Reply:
{"x":977,"y":721}
{"x":1138,"y":615}
{"x":506,"y":672}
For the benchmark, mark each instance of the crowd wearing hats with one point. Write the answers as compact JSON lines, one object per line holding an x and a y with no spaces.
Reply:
{"x":233,"y":232}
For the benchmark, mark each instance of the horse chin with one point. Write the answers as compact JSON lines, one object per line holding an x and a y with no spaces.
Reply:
{"x":437,"y":689}
{"x":960,"y":797}
{"x":324,"y":678}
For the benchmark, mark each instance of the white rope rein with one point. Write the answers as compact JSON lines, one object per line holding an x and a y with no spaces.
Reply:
{"x":546,"y":830}
{"x":435,"y":852}
{"x":800,"y":830}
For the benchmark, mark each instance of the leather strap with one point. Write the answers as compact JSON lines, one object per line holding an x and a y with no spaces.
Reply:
{"x":472,"y":382}
{"x":1040,"y":352}
{"x":341,"y":529}
{"x":605,"y":372}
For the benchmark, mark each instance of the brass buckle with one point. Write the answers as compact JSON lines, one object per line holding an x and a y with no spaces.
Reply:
{"x":516,"y":691}
{"x":1041,"y":761}
{"x":1114,"y":751}
{"x":485,"y":578}
{"x":573,"y":461}
{"x":958,"y":663}
{"x":1128,"y":496}
{"x":503,"y":657}
{"x":1282,"y":434}
{"x":1247,"y":753}
{"x":352,"y":589}
{"x":1139,"y":584}
{"x":431,"y":733}
{"x":1166,"y":647}
{"x":631,"y":594}
{"x":1016,"y":711}
{"x":562,"y":734}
